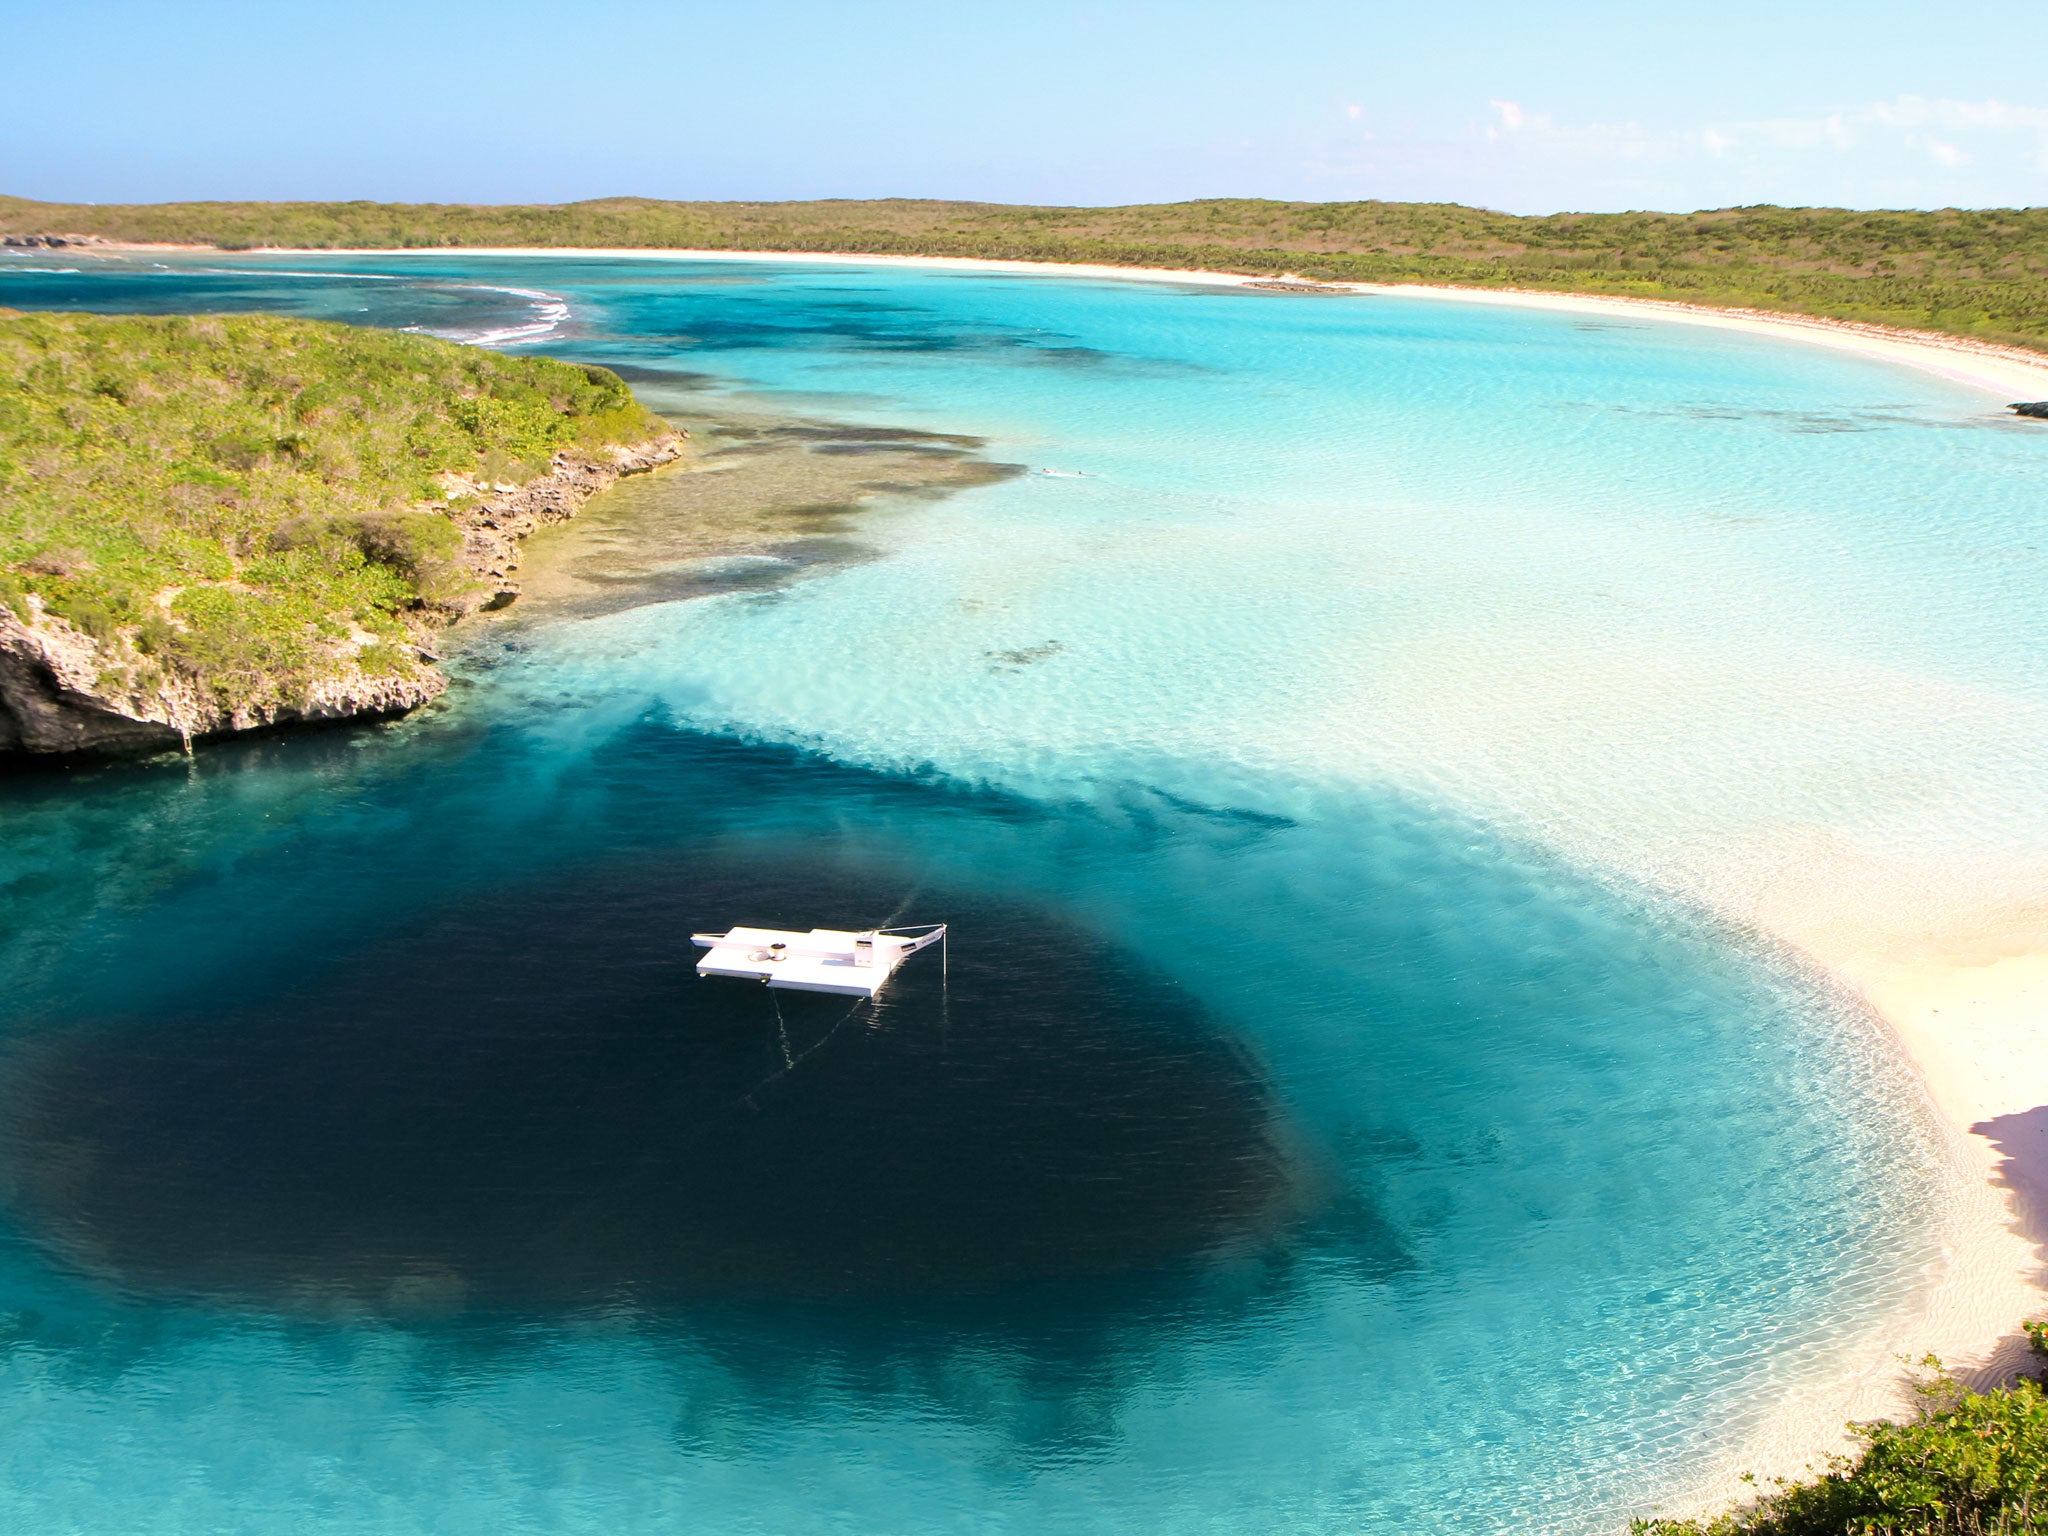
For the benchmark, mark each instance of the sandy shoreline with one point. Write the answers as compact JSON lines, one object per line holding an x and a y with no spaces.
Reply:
{"x":1970,"y":1015}
{"x":1968,"y":1004}
{"x":2012,"y":373}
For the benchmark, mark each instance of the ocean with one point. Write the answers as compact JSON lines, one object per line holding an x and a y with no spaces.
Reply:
{"x":1357,"y":745}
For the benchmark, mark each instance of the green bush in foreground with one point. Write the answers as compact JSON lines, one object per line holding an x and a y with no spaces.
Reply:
{"x":237,"y":493}
{"x":1968,"y":1464}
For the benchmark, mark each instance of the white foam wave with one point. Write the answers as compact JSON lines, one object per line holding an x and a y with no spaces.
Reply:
{"x":550,"y":311}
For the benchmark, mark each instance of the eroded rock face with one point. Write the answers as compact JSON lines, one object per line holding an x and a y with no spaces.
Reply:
{"x":52,"y":697}
{"x":2036,"y":408}
{"x":493,"y":525}
{"x":49,"y":700}
{"x":62,"y":690}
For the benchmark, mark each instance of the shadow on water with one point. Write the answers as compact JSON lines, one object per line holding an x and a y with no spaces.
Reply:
{"x":527,"y":1104}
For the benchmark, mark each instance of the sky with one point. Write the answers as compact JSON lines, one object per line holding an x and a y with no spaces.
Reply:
{"x":1530,"y":107}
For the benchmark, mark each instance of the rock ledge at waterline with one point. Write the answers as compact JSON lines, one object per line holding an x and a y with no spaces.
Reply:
{"x":63,"y":690}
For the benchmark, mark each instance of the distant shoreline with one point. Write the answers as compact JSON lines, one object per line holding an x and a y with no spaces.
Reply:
{"x":2013,"y":374}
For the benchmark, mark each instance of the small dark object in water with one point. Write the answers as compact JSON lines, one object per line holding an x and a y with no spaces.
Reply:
{"x":2034,"y":408}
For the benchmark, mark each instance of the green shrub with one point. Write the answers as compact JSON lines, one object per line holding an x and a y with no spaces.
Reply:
{"x":1967,"y":1464}
{"x":236,"y":491}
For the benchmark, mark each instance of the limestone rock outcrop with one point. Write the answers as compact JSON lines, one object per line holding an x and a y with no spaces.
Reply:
{"x":65,"y":691}
{"x":499,"y":516}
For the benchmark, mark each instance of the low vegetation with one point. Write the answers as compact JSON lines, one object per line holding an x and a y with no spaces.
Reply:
{"x":1967,"y":1464}
{"x":1979,"y":273}
{"x":234,"y":496}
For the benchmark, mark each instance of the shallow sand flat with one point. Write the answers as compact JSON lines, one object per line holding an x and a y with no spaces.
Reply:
{"x":1977,"y":1031}
{"x":759,"y":501}
{"x":1967,"y":995}
{"x":1967,"y":1000}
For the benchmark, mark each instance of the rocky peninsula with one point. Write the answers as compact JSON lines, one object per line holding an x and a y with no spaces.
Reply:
{"x":218,"y":524}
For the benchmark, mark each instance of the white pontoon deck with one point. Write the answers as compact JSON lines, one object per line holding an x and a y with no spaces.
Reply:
{"x":823,"y":960}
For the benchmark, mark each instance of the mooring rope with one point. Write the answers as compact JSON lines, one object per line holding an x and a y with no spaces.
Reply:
{"x":791,"y":1060}
{"x":945,"y":959}
{"x":781,"y":1031}
{"x":791,"y":1063}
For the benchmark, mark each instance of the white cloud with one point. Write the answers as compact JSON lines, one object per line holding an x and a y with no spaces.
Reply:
{"x":1839,"y":130}
{"x":1991,"y":116}
{"x":2006,"y":144}
{"x":1900,"y":152}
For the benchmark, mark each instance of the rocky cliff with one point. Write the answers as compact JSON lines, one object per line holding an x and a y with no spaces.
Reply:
{"x":63,"y":690}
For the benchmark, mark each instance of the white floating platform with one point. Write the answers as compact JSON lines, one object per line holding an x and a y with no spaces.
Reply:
{"x":823,"y":960}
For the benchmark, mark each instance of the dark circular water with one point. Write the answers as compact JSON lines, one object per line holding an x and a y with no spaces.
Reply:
{"x":530,"y":1100}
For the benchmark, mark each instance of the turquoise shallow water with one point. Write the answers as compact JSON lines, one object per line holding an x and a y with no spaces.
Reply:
{"x":1393,"y":707}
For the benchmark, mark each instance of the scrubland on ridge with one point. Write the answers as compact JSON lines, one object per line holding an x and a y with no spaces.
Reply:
{"x":1980,"y":273}
{"x":233,"y":497}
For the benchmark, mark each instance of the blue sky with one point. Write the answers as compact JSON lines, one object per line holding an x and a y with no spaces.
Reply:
{"x":1530,"y":107}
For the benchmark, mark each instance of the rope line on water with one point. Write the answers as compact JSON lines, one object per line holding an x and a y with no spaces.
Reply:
{"x":791,"y":1063}
{"x":781,"y":1031}
{"x":791,"y":1060}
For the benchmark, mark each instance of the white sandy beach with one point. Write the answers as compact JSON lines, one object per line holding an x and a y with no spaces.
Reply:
{"x":2011,"y":373}
{"x":1965,"y":993}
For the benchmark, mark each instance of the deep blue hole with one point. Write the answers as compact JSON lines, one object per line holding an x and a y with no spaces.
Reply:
{"x":529,"y":1101}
